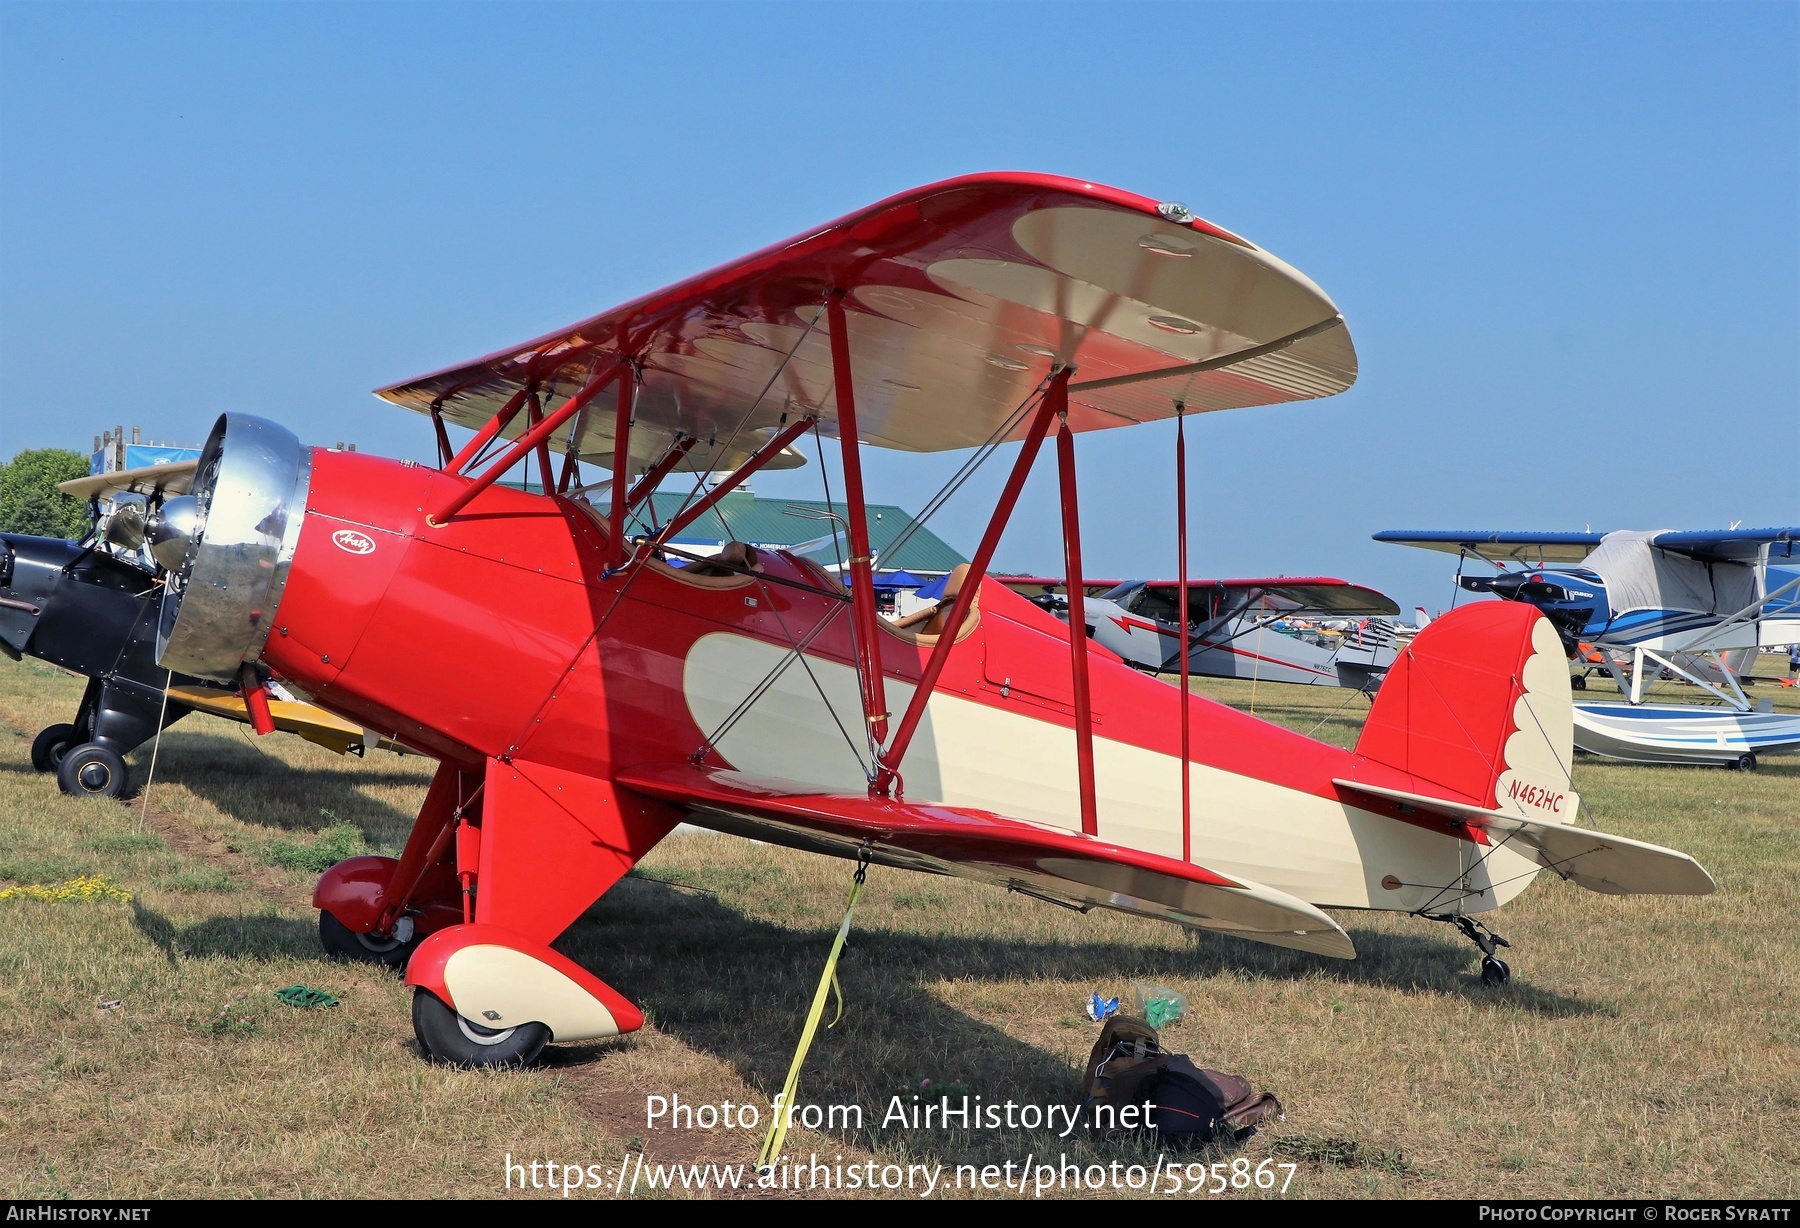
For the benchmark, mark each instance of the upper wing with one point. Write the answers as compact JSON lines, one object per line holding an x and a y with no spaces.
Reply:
{"x":1732,"y":545}
{"x":1499,"y":547}
{"x":1043,"y":862}
{"x":960,"y":298}
{"x":170,"y":479}
{"x":1321,"y":594}
{"x":1032,"y":586}
{"x":1286,"y":593}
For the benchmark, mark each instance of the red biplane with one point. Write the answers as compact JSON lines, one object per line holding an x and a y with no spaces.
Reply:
{"x":586,"y":688}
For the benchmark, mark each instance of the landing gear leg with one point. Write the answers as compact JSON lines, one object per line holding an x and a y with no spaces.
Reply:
{"x":1494,"y":970}
{"x":548,"y":842}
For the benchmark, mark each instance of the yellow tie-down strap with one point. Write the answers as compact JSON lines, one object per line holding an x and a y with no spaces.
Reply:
{"x":828,"y":982}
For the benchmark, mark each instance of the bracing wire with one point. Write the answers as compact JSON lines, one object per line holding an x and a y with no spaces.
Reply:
{"x":825,"y":479}
{"x":867,"y":770}
{"x":701,"y":476}
{"x":761,"y":688}
{"x":1329,"y":715}
{"x":856,"y":647}
{"x":956,"y":481}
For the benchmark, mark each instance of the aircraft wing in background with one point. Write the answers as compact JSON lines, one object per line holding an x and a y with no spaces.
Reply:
{"x":1532,"y":548}
{"x":1529,"y":548}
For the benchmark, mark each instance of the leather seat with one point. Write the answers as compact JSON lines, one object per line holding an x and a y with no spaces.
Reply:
{"x":929,"y":623}
{"x":733,"y":559}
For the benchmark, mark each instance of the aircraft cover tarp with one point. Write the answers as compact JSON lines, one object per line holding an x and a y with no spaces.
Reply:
{"x":1640,"y":577}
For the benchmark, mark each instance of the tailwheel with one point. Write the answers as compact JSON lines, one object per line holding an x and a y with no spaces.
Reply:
{"x":389,"y":950}
{"x":449,"y":1038}
{"x":92,"y":770}
{"x":1494,"y":970}
{"x":48,"y":748}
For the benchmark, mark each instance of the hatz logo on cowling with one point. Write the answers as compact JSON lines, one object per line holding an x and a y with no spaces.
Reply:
{"x":353,"y":542}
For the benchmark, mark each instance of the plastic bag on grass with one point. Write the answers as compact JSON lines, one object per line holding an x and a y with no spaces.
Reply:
{"x":1158,"y":1005}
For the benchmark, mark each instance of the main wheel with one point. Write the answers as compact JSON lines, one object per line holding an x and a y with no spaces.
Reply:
{"x":1578,"y":682}
{"x":451,"y":1039}
{"x":1494,"y":971}
{"x":342,"y":942}
{"x":48,"y":747}
{"x":92,"y":770}
{"x":1745,"y":762}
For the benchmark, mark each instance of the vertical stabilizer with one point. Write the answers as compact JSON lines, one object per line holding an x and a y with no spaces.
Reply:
{"x":1477,"y":710}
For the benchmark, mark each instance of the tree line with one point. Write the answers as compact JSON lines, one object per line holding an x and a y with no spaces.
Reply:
{"x":29,"y":501}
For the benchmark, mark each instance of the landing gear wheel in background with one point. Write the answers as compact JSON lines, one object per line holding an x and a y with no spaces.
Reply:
{"x":456,"y":1041}
{"x":342,"y":942}
{"x":1578,"y":682}
{"x":48,"y":747}
{"x":1745,"y":763}
{"x":1494,"y":971}
{"x":92,"y":770}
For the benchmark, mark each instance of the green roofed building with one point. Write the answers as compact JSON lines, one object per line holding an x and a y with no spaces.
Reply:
{"x":800,"y":525}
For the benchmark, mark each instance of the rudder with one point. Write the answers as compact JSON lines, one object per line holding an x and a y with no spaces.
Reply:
{"x":1477,"y":708}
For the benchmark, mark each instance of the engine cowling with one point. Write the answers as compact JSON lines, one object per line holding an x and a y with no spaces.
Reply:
{"x":228,"y":551}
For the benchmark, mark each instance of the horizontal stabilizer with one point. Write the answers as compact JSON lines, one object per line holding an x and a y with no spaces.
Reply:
{"x":1613,"y":865}
{"x":1044,"y":862}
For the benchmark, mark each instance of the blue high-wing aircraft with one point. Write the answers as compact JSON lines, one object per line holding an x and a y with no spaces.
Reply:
{"x":1696,"y":605}
{"x":1665,"y":591}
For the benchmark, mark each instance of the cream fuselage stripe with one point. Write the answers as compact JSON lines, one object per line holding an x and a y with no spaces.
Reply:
{"x":985,"y":757}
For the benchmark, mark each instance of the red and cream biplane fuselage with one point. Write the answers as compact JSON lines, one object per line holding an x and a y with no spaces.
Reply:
{"x":584,"y":695}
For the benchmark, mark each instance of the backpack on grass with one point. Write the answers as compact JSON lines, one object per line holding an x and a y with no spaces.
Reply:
{"x":1192,"y":1105}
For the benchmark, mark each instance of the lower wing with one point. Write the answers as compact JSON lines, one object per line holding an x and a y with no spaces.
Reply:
{"x":1046,"y":863}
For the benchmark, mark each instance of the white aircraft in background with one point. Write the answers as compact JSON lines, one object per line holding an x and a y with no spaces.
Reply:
{"x":1310,"y":630}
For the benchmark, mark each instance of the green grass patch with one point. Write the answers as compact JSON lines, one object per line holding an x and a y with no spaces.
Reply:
{"x":334,"y":844}
{"x":35,"y":870}
{"x":1340,"y":1152}
{"x":127,"y":842}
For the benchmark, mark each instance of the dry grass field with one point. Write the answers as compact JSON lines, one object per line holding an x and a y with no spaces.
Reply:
{"x":1644,"y":1046}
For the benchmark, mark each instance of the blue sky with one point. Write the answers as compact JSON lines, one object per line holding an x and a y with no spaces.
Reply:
{"x":1564,"y":235}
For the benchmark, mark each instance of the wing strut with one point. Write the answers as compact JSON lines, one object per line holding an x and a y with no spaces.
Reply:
{"x":646,"y":485}
{"x":499,"y":422}
{"x":1058,"y":394}
{"x":758,"y":459}
{"x":523,"y":444}
{"x":445,"y":452}
{"x":862,"y":576}
{"x":1058,"y":398}
{"x":1181,"y":566}
{"x":621,"y":467}
{"x":534,"y":414}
